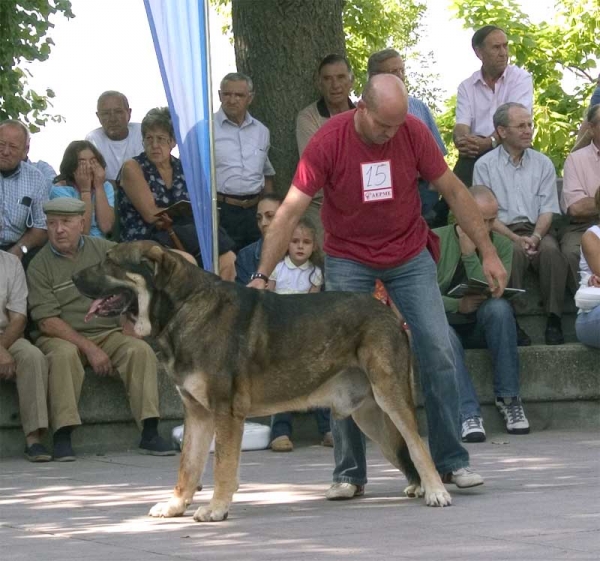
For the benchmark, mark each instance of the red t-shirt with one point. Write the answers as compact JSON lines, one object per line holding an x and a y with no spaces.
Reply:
{"x":371,"y":207}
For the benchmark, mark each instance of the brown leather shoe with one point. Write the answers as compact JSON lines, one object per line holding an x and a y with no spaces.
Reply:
{"x":282,"y":444}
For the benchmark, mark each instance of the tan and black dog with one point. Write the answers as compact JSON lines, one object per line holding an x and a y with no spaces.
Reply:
{"x":235,"y":352}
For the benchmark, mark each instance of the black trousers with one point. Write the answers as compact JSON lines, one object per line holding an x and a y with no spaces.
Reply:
{"x":239,"y":223}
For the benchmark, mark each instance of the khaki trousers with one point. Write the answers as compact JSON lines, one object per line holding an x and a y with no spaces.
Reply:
{"x":134,"y":360}
{"x":549,"y":263}
{"x":32,"y":385}
{"x":570,"y":245}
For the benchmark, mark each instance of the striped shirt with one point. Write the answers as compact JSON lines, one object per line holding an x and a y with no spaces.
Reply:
{"x":22,"y":195}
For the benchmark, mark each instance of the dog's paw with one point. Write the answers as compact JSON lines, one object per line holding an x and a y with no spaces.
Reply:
{"x":414,"y":490}
{"x":211,"y":513}
{"x":173,"y":507}
{"x":438,"y":497}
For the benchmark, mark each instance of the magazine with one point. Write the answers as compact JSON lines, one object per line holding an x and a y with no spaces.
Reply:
{"x":179,"y":209}
{"x":476,"y":286}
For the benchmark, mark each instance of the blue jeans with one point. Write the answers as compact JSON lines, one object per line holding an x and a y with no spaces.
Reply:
{"x":281,"y":423}
{"x":587,"y":327}
{"x":414,"y":290}
{"x":494,"y":329}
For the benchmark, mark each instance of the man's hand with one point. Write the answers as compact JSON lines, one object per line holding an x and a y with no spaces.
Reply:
{"x":530,"y":245}
{"x":99,"y":361}
{"x":467,"y":247}
{"x":469,"y":304}
{"x":8,"y":368}
{"x":257,"y":283}
{"x":594,"y":280}
{"x":16,"y":250}
{"x":495,"y":273}
{"x":468,"y":145}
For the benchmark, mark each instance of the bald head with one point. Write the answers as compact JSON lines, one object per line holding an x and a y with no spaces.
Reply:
{"x":487,"y":203}
{"x":381,"y":109}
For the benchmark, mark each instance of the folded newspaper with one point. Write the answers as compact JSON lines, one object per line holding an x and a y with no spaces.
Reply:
{"x":476,"y":286}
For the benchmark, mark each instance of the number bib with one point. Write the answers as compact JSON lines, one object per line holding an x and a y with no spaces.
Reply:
{"x":377,"y":181}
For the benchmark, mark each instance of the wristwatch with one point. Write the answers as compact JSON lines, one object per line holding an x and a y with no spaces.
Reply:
{"x":494,"y":141}
{"x":23,"y":249}
{"x":260,"y":276}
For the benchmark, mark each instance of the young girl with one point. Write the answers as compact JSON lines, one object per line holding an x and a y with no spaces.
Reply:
{"x":83,"y":176}
{"x":299,"y":272}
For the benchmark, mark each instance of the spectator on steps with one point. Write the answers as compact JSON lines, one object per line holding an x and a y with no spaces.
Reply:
{"x":83,"y":172}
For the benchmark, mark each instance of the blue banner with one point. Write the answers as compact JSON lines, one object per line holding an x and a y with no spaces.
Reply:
{"x":180,"y":34}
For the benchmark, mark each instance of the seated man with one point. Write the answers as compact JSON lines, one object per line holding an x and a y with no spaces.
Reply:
{"x":117,"y":138}
{"x":20,"y":361}
{"x":524,"y":182}
{"x":581,"y":179}
{"x":70,"y":342}
{"x":478,"y":321}
{"x":23,"y":189}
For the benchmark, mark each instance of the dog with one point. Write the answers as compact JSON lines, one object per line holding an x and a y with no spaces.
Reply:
{"x":235,"y":352}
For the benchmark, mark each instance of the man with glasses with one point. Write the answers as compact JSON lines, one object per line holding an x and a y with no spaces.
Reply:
{"x":117,"y":139}
{"x":524,"y":181}
{"x":23,"y":190}
{"x":242,"y":164}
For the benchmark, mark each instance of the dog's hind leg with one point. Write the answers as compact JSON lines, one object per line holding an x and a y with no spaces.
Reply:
{"x":229,"y":431}
{"x":197,"y":436}
{"x":378,"y":427}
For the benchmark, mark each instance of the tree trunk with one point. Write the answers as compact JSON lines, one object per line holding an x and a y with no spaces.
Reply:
{"x":279,"y":44}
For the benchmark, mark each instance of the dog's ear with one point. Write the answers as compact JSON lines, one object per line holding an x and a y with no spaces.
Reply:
{"x":164,"y":264}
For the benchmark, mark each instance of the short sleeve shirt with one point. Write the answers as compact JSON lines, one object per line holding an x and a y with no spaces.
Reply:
{"x":379,"y":232}
{"x":13,"y":288}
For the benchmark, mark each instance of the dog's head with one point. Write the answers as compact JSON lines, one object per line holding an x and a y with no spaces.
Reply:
{"x":128,"y":281}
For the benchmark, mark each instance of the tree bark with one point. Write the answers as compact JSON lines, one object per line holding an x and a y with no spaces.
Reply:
{"x":279,"y":44}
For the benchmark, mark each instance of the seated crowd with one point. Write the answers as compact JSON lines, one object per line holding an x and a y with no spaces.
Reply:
{"x":117,"y":184}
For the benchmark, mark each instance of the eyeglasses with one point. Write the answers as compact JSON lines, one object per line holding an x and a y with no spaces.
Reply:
{"x":105,"y":114}
{"x":522,"y":127}
{"x":160,"y":140}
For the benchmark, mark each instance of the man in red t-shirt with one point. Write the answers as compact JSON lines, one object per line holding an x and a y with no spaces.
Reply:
{"x":367,"y":162}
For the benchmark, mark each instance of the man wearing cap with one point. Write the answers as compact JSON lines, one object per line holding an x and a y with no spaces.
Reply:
{"x":70,"y":343}
{"x":20,"y":361}
{"x":23,"y":189}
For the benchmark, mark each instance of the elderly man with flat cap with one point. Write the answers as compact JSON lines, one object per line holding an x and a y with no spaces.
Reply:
{"x":70,"y":343}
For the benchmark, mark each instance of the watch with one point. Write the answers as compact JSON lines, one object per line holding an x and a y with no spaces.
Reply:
{"x":23,"y":249}
{"x":260,"y":276}
{"x":494,"y":141}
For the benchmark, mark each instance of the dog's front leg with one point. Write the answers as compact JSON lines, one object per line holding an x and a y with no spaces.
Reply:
{"x":197,"y":436}
{"x":228,"y":443}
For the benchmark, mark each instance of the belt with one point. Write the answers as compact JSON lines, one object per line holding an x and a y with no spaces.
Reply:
{"x":248,"y":202}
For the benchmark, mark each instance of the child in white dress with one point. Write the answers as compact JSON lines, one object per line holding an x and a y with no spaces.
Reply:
{"x":299,"y":272}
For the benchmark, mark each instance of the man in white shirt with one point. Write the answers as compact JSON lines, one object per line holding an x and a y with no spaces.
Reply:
{"x":242,"y":161}
{"x":117,"y":139}
{"x":524,"y":182}
{"x":494,"y":84}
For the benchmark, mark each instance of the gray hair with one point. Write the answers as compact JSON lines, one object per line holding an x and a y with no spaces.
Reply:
{"x":501,"y":118}
{"x":17,"y":125}
{"x":377,"y":58}
{"x":113,"y":93}
{"x":158,"y":118}
{"x":237,"y":77}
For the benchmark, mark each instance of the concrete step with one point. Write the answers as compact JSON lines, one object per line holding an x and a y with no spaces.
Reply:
{"x":560,"y":389}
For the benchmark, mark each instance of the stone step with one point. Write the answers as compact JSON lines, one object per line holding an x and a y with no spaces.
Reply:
{"x":560,"y":389}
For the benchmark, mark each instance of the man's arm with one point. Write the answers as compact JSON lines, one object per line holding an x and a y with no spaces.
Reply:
{"x":34,"y":237}
{"x":574,"y":198}
{"x":306,"y":127}
{"x":469,"y":219}
{"x":14,"y":330}
{"x":279,"y":232}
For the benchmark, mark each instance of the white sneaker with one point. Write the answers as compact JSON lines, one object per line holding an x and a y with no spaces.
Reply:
{"x":463,"y":478}
{"x":472,"y":430}
{"x":514,"y":416}
{"x":344,"y":491}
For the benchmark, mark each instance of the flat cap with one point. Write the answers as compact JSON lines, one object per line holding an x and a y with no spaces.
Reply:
{"x":64,"y":205}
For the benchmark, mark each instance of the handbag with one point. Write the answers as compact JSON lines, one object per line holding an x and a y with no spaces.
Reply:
{"x":587,"y":298}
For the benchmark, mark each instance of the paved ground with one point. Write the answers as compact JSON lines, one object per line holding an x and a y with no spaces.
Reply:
{"x":540,"y":501}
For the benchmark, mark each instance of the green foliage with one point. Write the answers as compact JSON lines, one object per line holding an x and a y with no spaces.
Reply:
{"x":550,"y":51}
{"x":24,"y":25}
